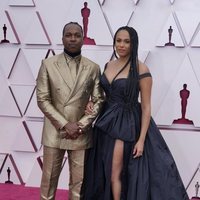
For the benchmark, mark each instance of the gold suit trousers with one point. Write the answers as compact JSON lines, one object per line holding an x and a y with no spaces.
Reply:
{"x":52,"y":164}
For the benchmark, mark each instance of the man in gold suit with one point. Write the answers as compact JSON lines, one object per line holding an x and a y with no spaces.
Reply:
{"x":65,"y":84}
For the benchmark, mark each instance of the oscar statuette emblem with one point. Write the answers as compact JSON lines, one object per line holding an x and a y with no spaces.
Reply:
{"x":8,"y":173}
{"x":196,"y":197}
{"x":170,"y":31}
{"x":85,"y":12}
{"x":184,"y":95}
{"x":4,"y":34}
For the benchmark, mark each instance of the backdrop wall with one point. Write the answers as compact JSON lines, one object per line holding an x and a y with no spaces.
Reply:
{"x":169,"y":39}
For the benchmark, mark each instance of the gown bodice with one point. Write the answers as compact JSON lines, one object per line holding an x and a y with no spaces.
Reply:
{"x":118,"y":110}
{"x":115,"y":91}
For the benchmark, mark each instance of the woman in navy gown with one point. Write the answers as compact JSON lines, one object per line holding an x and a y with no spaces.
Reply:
{"x":130,"y":159}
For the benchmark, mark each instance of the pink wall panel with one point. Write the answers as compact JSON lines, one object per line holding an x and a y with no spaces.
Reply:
{"x":169,"y":41}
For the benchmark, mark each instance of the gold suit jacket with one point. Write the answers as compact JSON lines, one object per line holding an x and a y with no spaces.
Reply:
{"x":62,"y":100}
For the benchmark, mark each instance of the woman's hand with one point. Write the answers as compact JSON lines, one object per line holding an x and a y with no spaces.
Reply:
{"x":138,"y":149}
{"x":89,"y":108}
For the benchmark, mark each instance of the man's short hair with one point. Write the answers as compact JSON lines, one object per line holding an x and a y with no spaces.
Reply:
{"x":72,"y":23}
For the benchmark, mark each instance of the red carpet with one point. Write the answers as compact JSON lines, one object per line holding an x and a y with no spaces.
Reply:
{"x":20,"y":192}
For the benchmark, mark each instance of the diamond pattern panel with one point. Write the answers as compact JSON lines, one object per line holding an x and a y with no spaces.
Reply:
{"x":8,"y":33}
{"x":196,"y":41}
{"x":193,"y":187}
{"x":22,"y":100}
{"x":23,"y":3}
{"x":10,"y":172}
{"x":163,"y":71}
{"x":186,"y":163}
{"x":169,"y":41}
{"x":170,"y":34}
{"x":33,"y":110}
{"x":40,"y":36}
{"x":111,"y":8}
{"x":189,"y":22}
{"x":3,"y":158}
{"x":21,"y":66}
{"x":35,"y":129}
{"x":34,"y":58}
{"x":8,"y":64}
{"x":185,"y":75}
{"x":8,"y":106}
{"x":33,"y":180}
{"x":26,"y":142}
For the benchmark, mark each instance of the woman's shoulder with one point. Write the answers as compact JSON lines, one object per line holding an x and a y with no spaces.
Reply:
{"x":143,"y":68}
{"x":144,"y":71}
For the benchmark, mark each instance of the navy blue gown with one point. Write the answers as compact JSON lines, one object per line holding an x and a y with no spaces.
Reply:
{"x":154,"y":175}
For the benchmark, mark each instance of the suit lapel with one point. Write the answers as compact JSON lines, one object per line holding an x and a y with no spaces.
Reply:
{"x":82,"y":75}
{"x":64,"y":71}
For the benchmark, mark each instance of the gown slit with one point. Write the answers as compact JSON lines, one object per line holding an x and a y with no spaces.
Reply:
{"x":117,"y":165}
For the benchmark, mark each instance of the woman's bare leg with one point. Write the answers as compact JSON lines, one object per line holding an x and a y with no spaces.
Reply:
{"x":117,"y":164}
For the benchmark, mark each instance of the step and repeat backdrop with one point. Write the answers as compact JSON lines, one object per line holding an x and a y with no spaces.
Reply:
{"x":169,"y":44}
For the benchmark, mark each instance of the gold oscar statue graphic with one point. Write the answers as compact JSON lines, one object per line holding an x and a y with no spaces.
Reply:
{"x":184,"y":94}
{"x":4,"y":35}
{"x":196,"y":191}
{"x":170,"y":31}
{"x":85,"y":12}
